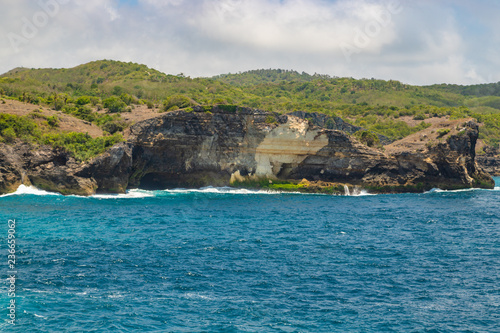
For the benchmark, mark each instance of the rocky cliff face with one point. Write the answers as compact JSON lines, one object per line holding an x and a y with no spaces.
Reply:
{"x":336,"y":123}
{"x":227,"y":145}
{"x":43,"y":167}
{"x":490,"y":161}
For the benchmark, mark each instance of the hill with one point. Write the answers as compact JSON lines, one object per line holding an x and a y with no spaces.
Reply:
{"x":259,"y":76}
{"x":101,"y":91}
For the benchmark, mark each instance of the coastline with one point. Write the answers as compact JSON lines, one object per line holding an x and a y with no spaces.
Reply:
{"x":240,"y":147}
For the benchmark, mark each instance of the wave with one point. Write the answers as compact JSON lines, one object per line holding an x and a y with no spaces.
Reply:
{"x":138,"y":193}
{"x":222,"y":190}
{"x":438,"y":190}
{"x":130,"y":194}
{"x":29,"y":190}
{"x":360,"y":193}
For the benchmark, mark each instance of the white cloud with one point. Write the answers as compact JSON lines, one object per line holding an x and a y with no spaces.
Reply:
{"x":419,"y":42}
{"x":291,"y":26}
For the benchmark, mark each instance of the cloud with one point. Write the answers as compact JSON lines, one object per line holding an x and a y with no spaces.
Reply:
{"x":293,"y":26}
{"x":416,"y":42}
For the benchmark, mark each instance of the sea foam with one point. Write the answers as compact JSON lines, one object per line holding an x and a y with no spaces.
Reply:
{"x":28,"y":190}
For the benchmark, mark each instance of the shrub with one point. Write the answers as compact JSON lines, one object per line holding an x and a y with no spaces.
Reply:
{"x":420,"y":116}
{"x":94,"y":100}
{"x":36,"y":114}
{"x":82,"y":100}
{"x":81,"y":145}
{"x":172,"y":108}
{"x":12,"y":126}
{"x":9,"y":134}
{"x":177,"y":101}
{"x":59,"y":103}
{"x":270,"y":119}
{"x":228,"y":108}
{"x":113,"y":126}
{"x":114,"y":104}
{"x":84,"y":113}
{"x":117,"y":90}
{"x":53,"y":121}
{"x":368,"y":138}
{"x":442,"y":132}
{"x":128,"y":99}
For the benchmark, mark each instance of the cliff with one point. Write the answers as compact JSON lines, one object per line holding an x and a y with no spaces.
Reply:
{"x":229,"y":145}
{"x":490,"y":161}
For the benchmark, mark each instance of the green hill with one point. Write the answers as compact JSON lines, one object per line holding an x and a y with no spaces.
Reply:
{"x":376,"y":105}
{"x":259,"y":76}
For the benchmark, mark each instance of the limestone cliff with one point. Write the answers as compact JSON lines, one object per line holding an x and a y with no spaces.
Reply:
{"x":181,"y":149}
{"x":228,"y":144}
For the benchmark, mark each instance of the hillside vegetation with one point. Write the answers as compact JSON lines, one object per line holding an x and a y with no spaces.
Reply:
{"x":81,"y":145}
{"x":101,"y":91}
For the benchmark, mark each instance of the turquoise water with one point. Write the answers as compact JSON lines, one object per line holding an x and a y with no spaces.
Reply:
{"x":222,"y":260}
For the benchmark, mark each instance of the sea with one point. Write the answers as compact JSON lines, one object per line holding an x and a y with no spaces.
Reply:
{"x":233,"y":260}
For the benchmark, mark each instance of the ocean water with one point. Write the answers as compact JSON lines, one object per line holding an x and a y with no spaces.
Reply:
{"x":226,"y":260}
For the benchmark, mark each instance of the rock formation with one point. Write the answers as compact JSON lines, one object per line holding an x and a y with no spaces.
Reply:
{"x":44,"y":167}
{"x":336,"y":123}
{"x":225,"y":145}
{"x":490,"y":161}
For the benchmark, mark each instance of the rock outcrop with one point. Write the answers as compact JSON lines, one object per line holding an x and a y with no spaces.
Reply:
{"x":44,"y":167}
{"x":490,"y":161}
{"x":227,"y":145}
{"x":336,"y":123}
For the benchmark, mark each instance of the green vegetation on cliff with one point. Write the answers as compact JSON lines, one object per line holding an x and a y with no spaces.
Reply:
{"x":81,"y":145}
{"x":375,"y":105}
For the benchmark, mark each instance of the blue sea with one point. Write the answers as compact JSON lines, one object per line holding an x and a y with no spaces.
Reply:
{"x":229,"y":260}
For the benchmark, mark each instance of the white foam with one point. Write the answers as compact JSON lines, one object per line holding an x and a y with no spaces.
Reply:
{"x":29,"y":190}
{"x":438,"y":190}
{"x":198,"y":296}
{"x":362,"y":193}
{"x":221,"y":190}
{"x":138,"y":193}
{"x":130,"y":194}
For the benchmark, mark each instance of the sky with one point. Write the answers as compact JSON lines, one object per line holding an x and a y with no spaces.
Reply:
{"x":414,"y":41}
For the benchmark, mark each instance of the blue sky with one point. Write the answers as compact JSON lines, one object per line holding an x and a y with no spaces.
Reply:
{"x":417,"y":42}
{"x":129,"y":2}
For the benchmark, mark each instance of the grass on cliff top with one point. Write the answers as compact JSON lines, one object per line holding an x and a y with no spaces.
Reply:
{"x":80,"y":145}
